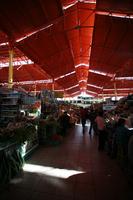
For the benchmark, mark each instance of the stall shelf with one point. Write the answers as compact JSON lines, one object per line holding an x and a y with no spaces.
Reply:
{"x":10,"y":102}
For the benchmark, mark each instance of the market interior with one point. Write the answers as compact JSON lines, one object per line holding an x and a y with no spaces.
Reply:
{"x":66,"y":99}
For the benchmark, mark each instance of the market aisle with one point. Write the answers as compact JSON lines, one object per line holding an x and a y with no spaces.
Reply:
{"x":74,"y":170}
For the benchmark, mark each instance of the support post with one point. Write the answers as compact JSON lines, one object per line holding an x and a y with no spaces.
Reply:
{"x":115,"y":91}
{"x":53,"y":85}
{"x":10,"y":72}
{"x":102,"y":94}
{"x":35,"y":90}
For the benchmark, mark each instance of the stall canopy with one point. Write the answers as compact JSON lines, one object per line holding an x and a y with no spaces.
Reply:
{"x":79,"y":46}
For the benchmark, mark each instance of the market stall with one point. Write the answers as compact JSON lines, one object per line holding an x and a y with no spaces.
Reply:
{"x":17,"y":141}
{"x":18,"y":130}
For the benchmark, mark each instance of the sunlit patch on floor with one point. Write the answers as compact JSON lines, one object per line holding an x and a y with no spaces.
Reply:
{"x":51,"y":171}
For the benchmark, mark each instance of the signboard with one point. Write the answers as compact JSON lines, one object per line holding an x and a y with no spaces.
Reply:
{"x":108,"y":107}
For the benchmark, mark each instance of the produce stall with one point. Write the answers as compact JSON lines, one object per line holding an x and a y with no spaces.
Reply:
{"x":49,"y":104}
{"x":17,"y":140}
{"x":49,"y":131}
{"x":25,"y":128}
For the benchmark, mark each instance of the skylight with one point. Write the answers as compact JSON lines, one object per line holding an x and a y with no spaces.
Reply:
{"x":101,"y":73}
{"x":95,"y":86}
{"x":34,"y":32}
{"x":16,"y":63}
{"x":74,"y":93}
{"x":4,"y":44}
{"x":60,"y":90}
{"x":68,"y":74}
{"x":113,"y":14}
{"x":112,"y":94}
{"x":83,"y":80}
{"x":72,"y":87}
{"x":76,"y":1}
{"x":118,"y":89}
{"x":124,"y":78}
{"x":32,"y":82}
{"x":91,"y":92}
{"x":82,"y":64}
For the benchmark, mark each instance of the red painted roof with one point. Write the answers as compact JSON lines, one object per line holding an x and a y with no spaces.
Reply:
{"x":83,"y":45}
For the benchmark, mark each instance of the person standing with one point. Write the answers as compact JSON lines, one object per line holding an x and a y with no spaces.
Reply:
{"x":91,"y":117}
{"x":83,"y":116}
{"x":122,"y":135}
{"x":64,"y":121}
{"x":102,"y":134}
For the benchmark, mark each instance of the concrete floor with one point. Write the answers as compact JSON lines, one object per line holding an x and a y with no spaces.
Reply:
{"x":74,"y":170}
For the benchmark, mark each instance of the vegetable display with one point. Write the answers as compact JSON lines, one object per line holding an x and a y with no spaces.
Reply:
{"x":12,"y":141}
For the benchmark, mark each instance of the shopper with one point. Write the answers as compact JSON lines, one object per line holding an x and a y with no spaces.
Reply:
{"x":64,"y":121}
{"x":102,"y":133}
{"x":122,"y":138}
{"x":83,"y":116}
{"x":92,"y":117}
